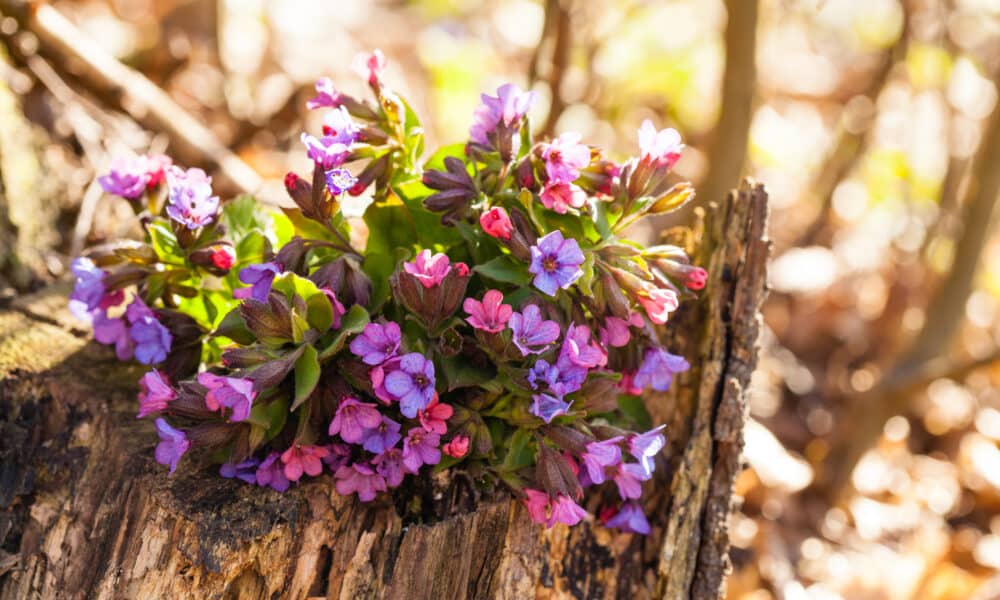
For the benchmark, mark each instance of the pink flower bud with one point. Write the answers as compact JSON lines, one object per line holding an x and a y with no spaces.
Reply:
{"x":495,"y":222}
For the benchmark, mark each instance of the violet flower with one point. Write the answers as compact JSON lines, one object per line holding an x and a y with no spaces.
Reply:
{"x":566,"y":511}
{"x":88,"y":291}
{"x":645,"y":446}
{"x":326,"y":96}
{"x":630,"y":518}
{"x":128,"y":177}
{"x":155,"y":394}
{"x":235,"y":393}
{"x":507,"y":107}
{"x":389,"y":465}
{"x":353,"y":419}
{"x":112,"y":330}
{"x":600,"y":456}
{"x":490,"y":315}
{"x":376,"y":343}
{"x":579,"y":349}
{"x":339,"y":125}
{"x":245,"y":471}
{"x":564,"y":157}
{"x":383,"y":436}
{"x":152,"y":340}
{"x":173,"y":444}
{"x":658,"y":368}
{"x":412,"y":384}
{"x":259,"y":277}
{"x":325,"y":151}
{"x":629,"y":477}
{"x":420,"y":448}
{"x":560,"y":379}
{"x":532,"y":333}
{"x":547,"y":407}
{"x":271,"y":472}
{"x":299,"y":459}
{"x":339,"y":181}
{"x":555,"y":261}
{"x":191,"y":202}
{"x":361,"y":479}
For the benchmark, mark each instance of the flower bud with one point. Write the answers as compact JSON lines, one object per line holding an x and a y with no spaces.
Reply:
{"x":372,"y":171}
{"x":292,"y":256}
{"x":690,"y":276}
{"x":526,"y":173}
{"x":554,"y":473}
{"x":614,"y":298}
{"x":212,"y":435}
{"x":496,"y":223}
{"x":673,"y":199}
{"x":568,"y":438}
{"x":344,"y":278}
{"x":457,"y":447}
{"x":270,"y":322}
{"x":216,"y":258}
{"x":523,"y":236}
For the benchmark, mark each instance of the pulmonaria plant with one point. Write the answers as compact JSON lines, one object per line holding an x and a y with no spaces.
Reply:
{"x":496,"y":319}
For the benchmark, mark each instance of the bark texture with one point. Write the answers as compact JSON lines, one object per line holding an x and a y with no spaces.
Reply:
{"x":86,"y":513}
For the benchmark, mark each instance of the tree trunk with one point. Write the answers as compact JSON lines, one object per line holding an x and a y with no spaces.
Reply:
{"x":86,"y":513}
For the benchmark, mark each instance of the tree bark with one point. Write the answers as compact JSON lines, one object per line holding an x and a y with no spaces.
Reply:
{"x":86,"y":513}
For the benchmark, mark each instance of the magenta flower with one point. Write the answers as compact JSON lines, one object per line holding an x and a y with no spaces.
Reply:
{"x":600,"y":456}
{"x":496,"y":223}
{"x":339,"y":125}
{"x":507,"y":107}
{"x":191,"y":202}
{"x":301,"y":459}
{"x":383,"y":436}
{"x":579,"y":349}
{"x":111,"y":330}
{"x":377,"y":375}
{"x":489,"y":315}
{"x":435,"y":415}
{"x":173,"y":444}
{"x":154,"y":395}
{"x":560,"y":196}
{"x":547,"y":407}
{"x":338,"y":455}
{"x":532,"y":333}
{"x":412,"y":384}
{"x":658,"y":303}
{"x":389,"y":465}
{"x":629,"y":477}
{"x":564,"y":158}
{"x":658,"y":368}
{"x":359,"y":479}
{"x":627,"y":384}
{"x":615,"y":332}
{"x":429,"y":269}
{"x":353,"y":419}
{"x":326,"y":151}
{"x":538,"y":505}
{"x":245,"y":471}
{"x":235,"y":393}
{"x":661,"y":148}
{"x":555,"y":261}
{"x":128,"y":177}
{"x":371,"y":67}
{"x":420,"y":448}
{"x":377,"y":343}
{"x":271,"y":472}
{"x":565,"y":510}
{"x":630,"y":518}
{"x":151,"y":339}
{"x":326,"y":96}
{"x":457,"y":447}
{"x":338,"y":308}
{"x":645,"y":446}
{"x":339,"y":181}
{"x":259,"y":277}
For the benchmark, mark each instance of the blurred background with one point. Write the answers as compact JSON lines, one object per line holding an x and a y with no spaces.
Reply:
{"x":874,"y":441}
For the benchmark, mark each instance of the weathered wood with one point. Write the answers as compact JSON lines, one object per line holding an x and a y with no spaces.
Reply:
{"x":86,"y":513}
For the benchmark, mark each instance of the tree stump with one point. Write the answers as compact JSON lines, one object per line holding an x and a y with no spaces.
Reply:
{"x":86,"y":513}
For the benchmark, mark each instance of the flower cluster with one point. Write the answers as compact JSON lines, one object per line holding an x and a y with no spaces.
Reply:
{"x":496,"y":320}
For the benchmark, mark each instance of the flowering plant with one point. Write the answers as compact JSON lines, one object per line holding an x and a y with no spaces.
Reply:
{"x":495,"y":320}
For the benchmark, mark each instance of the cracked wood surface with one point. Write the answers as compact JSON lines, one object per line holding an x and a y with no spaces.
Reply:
{"x":86,"y":513}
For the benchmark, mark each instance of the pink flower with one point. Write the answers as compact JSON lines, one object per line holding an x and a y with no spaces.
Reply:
{"x":662,"y":148}
{"x":236,"y":393}
{"x":155,"y":394}
{"x":370,"y":66}
{"x":565,"y":510}
{"x":560,"y":196}
{"x":301,"y":459}
{"x":629,"y":477}
{"x":457,"y":447}
{"x":496,"y":222}
{"x":435,"y":415}
{"x":537,"y":503}
{"x":564,"y":158}
{"x":489,"y":315}
{"x":544,"y":511}
{"x":361,"y":479}
{"x":326,"y":95}
{"x":627,"y":384}
{"x":658,"y":303}
{"x":429,"y":269}
{"x":696,"y":278}
{"x":353,"y":419}
{"x":614,"y":332}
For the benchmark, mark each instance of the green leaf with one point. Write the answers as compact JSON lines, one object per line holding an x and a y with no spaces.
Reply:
{"x":635,"y":410}
{"x":319,"y":312}
{"x":506,"y":270}
{"x":389,"y":230}
{"x":522,"y":451}
{"x":352,"y":322}
{"x":164,"y":242}
{"x":458,"y":372}
{"x":436,"y":161}
{"x":251,"y":249}
{"x":270,"y":417}
{"x":233,"y":327}
{"x":307,"y":372}
{"x":292,"y":285}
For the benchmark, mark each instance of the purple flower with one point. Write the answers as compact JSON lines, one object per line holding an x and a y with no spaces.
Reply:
{"x":630,"y":518}
{"x":173,"y":444}
{"x":338,"y":125}
{"x":235,"y":393}
{"x":154,"y":395}
{"x":645,"y":446}
{"x":555,"y":261}
{"x":259,"y":277}
{"x":564,"y":157}
{"x":600,"y":456}
{"x":561,"y":379}
{"x":578,"y":349}
{"x":507,"y":107}
{"x":245,"y":471}
{"x":191,"y":201}
{"x":412,"y":384}
{"x":532,"y":334}
{"x":565,"y":510}
{"x":389,"y":465}
{"x":615,"y":332}
{"x":88,"y":291}
{"x":339,"y":181}
{"x":326,"y":95}
{"x":490,"y":315}
{"x":629,"y":478}
{"x":300,"y":459}
{"x":127,"y":178}
{"x":353,"y":419}
{"x":111,"y":330}
{"x":547,"y":407}
{"x":325,"y":151}
{"x":359,"y":478}
{"x":152,"y":340}
{"x":658,"y":368}
{"x":271,"y":472}
{"x":383,"y":436}
{"x":376,"y":343}
{"x":662,"y":148}
{"x":420,"y":448}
